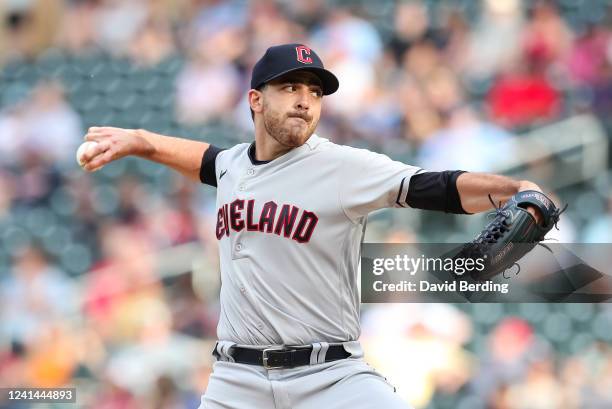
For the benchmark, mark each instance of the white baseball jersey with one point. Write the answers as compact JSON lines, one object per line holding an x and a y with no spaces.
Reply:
{"x":289,"y":234}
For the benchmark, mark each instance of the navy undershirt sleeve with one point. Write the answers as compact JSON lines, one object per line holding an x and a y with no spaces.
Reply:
{"x":435,"y":191}
{"x":207,"y":169}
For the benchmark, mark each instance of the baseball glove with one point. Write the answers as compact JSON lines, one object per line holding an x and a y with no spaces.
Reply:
{"x":512,"y":233}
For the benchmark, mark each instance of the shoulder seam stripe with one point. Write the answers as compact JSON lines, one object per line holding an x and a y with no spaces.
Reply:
{"x":399,"y":194}
{"x":415,"y":173}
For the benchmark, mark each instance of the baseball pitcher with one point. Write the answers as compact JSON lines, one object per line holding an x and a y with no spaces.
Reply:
{"x":291,"y":210}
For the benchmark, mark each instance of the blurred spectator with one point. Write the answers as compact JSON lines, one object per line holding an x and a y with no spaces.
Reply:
{"x":51,"y":359}
{"x":512,"y":347}
{"x":122,"y":286}
{"x":151,"y":44}
{"x":35,"y":182}
{"x":208,"y":86}
{"x":411,"y":25}
{"x":524,"y":96}
{"x":590,"y":67}
{"x":420,"y":117}
{"x":546,"y":37}
{"x":380,"y":119}
{"x":213,"y":16}
{"x":427,"y":338}
{"x":349,"y":46}
{"x":589,"y":55}
{"x":539,"y":390}
{"x":132,"y":199}
{"x":118,"y":22}
{"x":52,"y":128}
{"x":443,"y":89}
{"x":12,"y":365}
{"x":189,"y":316}
{"x":486,"y":54}
{"x":351,"y":100}
{"x":111,"y":396}
{"x":173,"y":223}
{"x":28,"y":26}
{"x":34,"y":292}
{"x":465,"y":134}
{"x":309,"y":14}
{"x":455,"y":32}
{"x":263,"y":15}
{"x":80,"y":27}
{"x":422,"y":59}
{"x":347,"y":35}
{"x":168,"y":396}
{"x":158,"y":352}
{"x":39,"y":133}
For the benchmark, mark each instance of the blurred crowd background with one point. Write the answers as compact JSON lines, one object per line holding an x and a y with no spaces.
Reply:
{"x":109,"y":281}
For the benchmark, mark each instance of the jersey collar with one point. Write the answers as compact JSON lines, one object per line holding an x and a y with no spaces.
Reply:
{"x":311,"y":143}
{"x":252,"y":157}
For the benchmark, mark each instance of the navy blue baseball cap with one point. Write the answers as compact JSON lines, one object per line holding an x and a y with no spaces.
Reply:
{"x":282,"y":59}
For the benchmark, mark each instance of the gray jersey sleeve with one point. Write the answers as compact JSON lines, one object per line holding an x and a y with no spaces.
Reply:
{"x":372,"y":181}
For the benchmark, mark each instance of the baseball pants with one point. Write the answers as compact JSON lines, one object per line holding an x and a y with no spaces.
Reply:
{"x":344,"y":384}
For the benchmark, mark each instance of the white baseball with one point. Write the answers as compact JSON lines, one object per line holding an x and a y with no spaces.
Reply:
{"x":85,"y":147}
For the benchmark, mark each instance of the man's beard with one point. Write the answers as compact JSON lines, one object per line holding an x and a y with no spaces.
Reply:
{"x":287,"y":134}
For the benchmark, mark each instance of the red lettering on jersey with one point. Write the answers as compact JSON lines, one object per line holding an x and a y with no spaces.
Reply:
{"x":235,"y":217}
{"x":226,"y":219}
{"x":220,"y":226}
{"x":232,"y":216}
{"x":286,"y":220}
{"x":249,"y":224}
{"x":266,"y":220}
{"x":305,"y":227}
{"x":303,"y":53}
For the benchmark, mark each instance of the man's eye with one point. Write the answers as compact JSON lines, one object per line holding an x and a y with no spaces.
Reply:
{"x":290,"y":88}
{"x":317,"y":93}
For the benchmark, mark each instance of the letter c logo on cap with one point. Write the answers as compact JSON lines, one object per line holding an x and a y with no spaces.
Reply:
{"x":303,"y":53}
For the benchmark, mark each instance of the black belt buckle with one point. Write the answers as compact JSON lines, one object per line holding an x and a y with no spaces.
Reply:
{"x":265,"y":357}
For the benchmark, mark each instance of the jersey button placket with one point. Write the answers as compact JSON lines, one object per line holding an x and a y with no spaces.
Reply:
{"x":242,"y":188}
{"x":237,"y":250}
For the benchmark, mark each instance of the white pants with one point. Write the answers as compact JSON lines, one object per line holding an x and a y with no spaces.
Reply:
{"x":347,"y":383}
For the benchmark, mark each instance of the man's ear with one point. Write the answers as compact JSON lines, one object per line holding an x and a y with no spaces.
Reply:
{"x":256,"y":100}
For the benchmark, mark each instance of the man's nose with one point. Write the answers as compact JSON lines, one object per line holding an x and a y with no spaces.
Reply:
{"x":302,"y":101}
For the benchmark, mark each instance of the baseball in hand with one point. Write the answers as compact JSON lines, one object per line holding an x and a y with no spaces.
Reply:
{"x":85,"y":147}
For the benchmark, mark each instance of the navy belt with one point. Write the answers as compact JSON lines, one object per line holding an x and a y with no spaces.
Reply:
{"x":283,"y":357}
